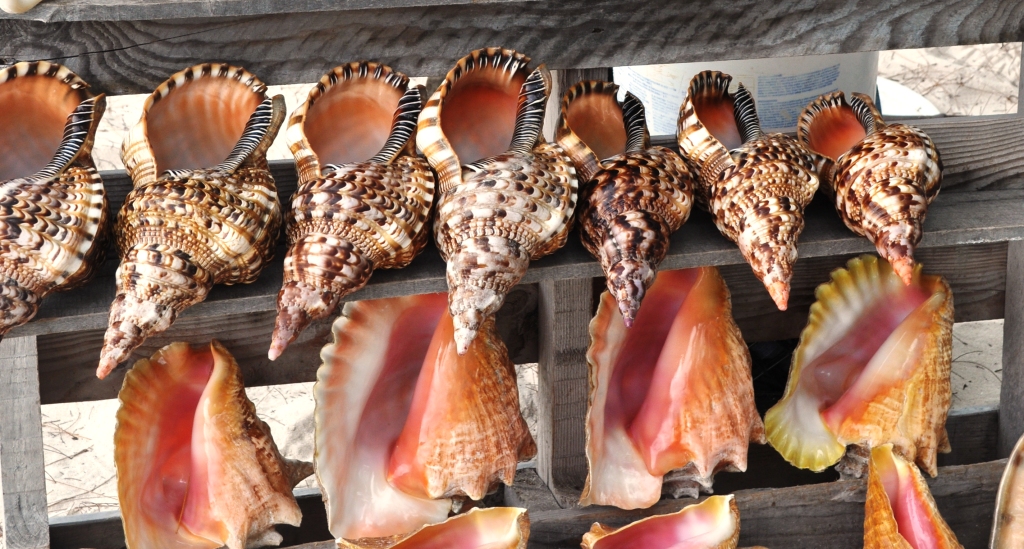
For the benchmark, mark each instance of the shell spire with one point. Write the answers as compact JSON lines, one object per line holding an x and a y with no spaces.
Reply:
{"x":756,"y":186}
{"x":506,"y":196}
{"x":204,"y":207}
{"x":367,"y":207}
{"x":882,"y":176}
{"x":634,"y":196}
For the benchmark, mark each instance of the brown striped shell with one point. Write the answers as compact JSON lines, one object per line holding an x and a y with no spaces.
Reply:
{"x":506,"y":197}
{"x":756,"y":186}
{"x":53,"y":209}
{"x":633,"y":196}
{"x":364,"y":196}
{"x":204,"y":207}
{"x":882,"y":176}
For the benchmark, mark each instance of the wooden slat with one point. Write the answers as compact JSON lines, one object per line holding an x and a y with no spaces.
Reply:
{"x":1011,"y":393}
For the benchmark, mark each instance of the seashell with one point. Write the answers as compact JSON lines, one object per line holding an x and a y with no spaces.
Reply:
{"x":872,"y":367}
{"x":189,"y":222}
{"x":195,"y":466}
{"x":673,"y":394}
{"x":401,"y":419}
{"x":367,"y":208}
{"x":18,"y":6}
{"x":53,"y":211}
{"x":506,"y":197}
{"x":493,"y":528}
{"x":634,"y":199}
{"x":1008,"y":524}
{"x":900,"y":512}
{"x":882,"y":176}
{"x":756,"y":186}
{"x":711,"y":524}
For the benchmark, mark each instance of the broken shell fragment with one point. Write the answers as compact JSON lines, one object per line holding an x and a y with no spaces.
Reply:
{"x":711,"y":524}
{"x":1008,"y":524}
{"x":672,"y":394}
{"x":872,"y":367}
{"x":195,"y":466}
{"x":492,"y":528}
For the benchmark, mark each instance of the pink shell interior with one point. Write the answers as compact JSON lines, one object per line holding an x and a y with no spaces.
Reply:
{"x":719,"y":118}
{"x":596,"y":119}
{"x":913,"y":517}
{"x":480,"y":112}
{"x":34,"y":110}
{"x":700,"y":526}
{"x":352,"y":120}
{"x":494,"y":528}
{"x":834,"y":131}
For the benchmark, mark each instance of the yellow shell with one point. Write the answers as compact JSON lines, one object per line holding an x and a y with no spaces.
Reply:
{"x":872,"y":367}
{"x":506,"y":197}
{"x":493,"y":528}
{"x":53,"y":209}
{"x":204,"y":207}
{"x":367,"y":207}
{"x":711,"y":524}
{"x":1008,"y":524}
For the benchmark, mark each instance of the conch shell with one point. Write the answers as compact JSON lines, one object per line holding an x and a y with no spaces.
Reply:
{"x":672,"y":394}
{"x":900,"y":512}
{"x":53,"y":210}
{"x":1008,"y":525}
{"x":872,"y":367}
{"x":18,"y":6}
{"x":756,"y":186}
{"x":634,"y":196}
{"x":493,"y":528}
{"x":190,"y":222}
{"x":506,"y":197}
{"x":711,"y":524}
{"x":195,"y":466}
{"x":402,"y":419}
{"x":882,"y":177}
{"x":368,"y":208}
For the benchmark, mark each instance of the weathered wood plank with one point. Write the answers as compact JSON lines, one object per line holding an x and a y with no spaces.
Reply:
{"x":282,"y":45}
{"x":22,"y":476}
{"x":1011,"y":392}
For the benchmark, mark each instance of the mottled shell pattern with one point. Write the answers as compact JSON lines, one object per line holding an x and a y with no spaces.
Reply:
{"x":506,"y":197}
{"x":53,"y":212}
{"x":1008,"y":523}
{"x":711,"y":524}
{"x":363,"y":198}
{"x":633,"y":195}
{"x":882,"y":176}
{"x":479,"y":528}
{"x":756,"y":186}
{"x":204,"y":208}
{"x":195,"y":466}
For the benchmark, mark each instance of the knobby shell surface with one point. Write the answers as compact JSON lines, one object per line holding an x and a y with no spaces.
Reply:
{"x":1008,"y":523}
{"x":492,"y":528}
{"x":364,"y":196}
{"x":204,"y":208}
{"x":506,"y":197}
{"x":53,"y":216}
{"x":711,"y":524}
{"x":881,"y":176}
{"x":633,"y":196}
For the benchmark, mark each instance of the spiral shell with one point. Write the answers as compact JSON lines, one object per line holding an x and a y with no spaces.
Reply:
{"x":756,"y":186}
{"x":506,"y":196}
{"x":882,"y":176}
{"x":634,"y":199}
{"x":190,"y":223}
{"x":53,"y":212}
{"x":366,"y":210}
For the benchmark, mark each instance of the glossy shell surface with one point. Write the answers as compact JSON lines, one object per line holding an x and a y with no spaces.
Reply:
{"x":711,"y":524}
{"x":491,"y":528}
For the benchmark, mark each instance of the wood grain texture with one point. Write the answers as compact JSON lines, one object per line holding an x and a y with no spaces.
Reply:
{"x":22,"y":476}
{"x":129,"y":47}
{"x":1011,"y":392}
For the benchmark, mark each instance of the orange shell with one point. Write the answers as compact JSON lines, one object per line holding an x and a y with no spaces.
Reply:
{"x":711,"y":524}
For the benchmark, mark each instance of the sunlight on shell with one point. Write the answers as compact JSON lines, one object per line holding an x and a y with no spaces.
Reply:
{"x":711,"y":524}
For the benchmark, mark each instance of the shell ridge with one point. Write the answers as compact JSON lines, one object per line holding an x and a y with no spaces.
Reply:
{"x":533,"y":99}
{"x":403,"y":127}
{"x":635,"y":117}
{"x":259,"y":133}
{"x":746,"y":115}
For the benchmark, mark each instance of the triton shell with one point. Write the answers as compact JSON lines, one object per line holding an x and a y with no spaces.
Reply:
{"x":363,"y":198}
{"x":17,"y":6}
{"x":506,"y":197}
{"x":756,"y":186}
{"x":882,"y":176}
{"x":53,"y":211}
{"x":402,"y":419}
{"x":900,"y":512}
{"x":493,"y":528}
{"x":1008,"y":525}
{"x":634,"y":196}
{"x":711,"y":524}
{"x":189,"y":222}
{"x":872,"y":367}
{"x":195,"y":466}
{"x":671,"y":396}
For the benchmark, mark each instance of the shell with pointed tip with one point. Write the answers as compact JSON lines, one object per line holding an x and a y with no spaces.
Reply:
{"x":492,"y":528}
{"x":900,"y":512}
{"x":756,"y":186}
{"x":506,"y":197}
{"x":711,"y":524}
{"x":367,"y":207}
{"x":882,"y":176}
{"x":872,"y":367}
{"x":402,"y":419}
{"x":1008,"y":524}
{"x":672,"y":394}
{"x":53,"y":212}
{"x":204,"y":207}
{"x":17,"y":6}
{"x":634,"y":196}
{"x":195,"y":466}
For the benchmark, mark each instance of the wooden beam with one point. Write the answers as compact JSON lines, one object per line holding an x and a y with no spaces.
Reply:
{"x":22,"y":475}
{"x":1011,"y":393}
